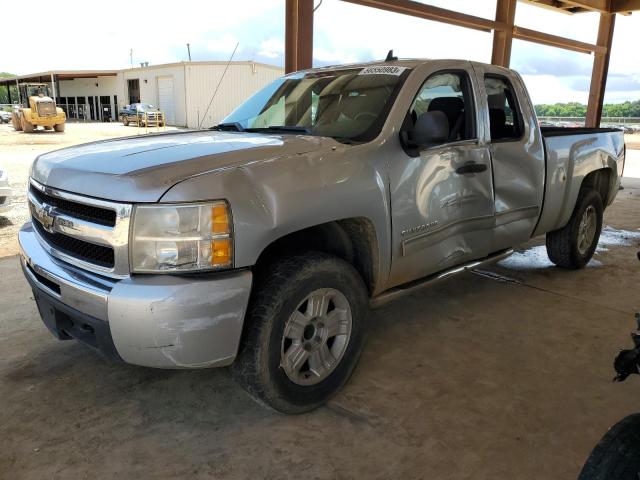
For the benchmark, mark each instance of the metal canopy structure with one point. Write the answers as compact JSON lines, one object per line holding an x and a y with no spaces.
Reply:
{"x":299,"y":33}
{"x":52,"y":77}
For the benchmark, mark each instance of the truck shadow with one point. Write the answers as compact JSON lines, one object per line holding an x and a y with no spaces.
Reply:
{"x":68,"y":376}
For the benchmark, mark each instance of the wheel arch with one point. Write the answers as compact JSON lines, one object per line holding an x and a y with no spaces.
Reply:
{"x":352,"y":239}
{"x":602,"y":181}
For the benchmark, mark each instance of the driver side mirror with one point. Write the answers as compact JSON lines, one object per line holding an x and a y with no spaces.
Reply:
{"x":431,"y":129}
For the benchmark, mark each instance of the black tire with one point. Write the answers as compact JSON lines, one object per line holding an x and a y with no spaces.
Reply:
{"x":617,"y":454}
{"x":59,"y":127}
{"x":277,"y":295}
{"x":562,"y":244}
{"x":15,"y":120}
{"x":125,"y":121}
{"x":27,"y":126}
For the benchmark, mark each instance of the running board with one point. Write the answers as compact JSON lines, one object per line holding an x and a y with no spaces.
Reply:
{"x":407,"y":288}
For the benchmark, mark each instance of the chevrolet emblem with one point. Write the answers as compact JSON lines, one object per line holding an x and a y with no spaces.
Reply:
{"x":45,"y":216}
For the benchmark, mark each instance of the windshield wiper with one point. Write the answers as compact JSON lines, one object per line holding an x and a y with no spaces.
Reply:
{"x":282,"y":128}
{"x":228,"y":127}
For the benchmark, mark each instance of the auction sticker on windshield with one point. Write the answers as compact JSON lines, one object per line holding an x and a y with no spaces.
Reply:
{"x":382,"y":70}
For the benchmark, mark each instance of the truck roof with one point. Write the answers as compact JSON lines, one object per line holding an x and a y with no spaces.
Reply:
{"x":402,"y":62}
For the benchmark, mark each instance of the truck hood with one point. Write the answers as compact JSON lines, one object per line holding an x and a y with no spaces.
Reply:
{"x":143,"y":168}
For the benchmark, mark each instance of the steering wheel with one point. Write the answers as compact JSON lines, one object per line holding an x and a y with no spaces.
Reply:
{"x":373,"y":116}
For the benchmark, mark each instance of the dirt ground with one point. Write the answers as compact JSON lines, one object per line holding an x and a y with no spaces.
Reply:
{"x":502,"y":373}
{"x":632,"y":141}
{"x":17,"y":152}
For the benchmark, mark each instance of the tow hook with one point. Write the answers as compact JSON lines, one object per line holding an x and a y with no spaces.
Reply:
{"x":628,"y":361}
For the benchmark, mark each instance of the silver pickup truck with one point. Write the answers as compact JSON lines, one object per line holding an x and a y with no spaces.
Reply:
{"x":262,"y":243}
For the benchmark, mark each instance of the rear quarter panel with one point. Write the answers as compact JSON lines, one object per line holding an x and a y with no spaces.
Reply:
{"x":570,"y":159}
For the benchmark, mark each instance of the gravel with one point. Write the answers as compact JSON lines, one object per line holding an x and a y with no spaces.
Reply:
{"x":19,"y":149}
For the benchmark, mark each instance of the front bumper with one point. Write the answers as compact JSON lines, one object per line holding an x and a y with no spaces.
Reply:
{"x":162,"y":321}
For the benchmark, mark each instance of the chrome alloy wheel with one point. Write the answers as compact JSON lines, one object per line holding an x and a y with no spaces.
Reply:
{"x":587,"y":229}
{"x":316,"y":336}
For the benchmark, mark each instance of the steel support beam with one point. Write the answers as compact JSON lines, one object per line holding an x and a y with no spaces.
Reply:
{"x":298,"y":50}
{"x":624,"y":6}
{"x":429,"y":12}
{"x":600,"y":69}
{"x":502,"y":39}
{"x":555,"y":41}
{"x":53,"y":88}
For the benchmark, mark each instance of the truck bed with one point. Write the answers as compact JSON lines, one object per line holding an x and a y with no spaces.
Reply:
{"x":570,"y":154}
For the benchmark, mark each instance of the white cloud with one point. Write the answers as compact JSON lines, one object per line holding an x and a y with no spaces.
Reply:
{"x":225,"y":44}
{"x":343,"y":32}
{"x":272,"y":48}
{"x":331,"y":56}
{"x":551,"y":89}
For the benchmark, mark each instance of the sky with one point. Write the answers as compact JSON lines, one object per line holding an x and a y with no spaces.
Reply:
{"x":158,"y":31}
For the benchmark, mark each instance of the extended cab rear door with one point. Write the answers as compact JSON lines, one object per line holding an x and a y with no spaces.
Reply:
{"x":517,"y":154}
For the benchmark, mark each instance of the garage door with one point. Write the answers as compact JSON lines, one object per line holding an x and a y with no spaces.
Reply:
{"x":165,"y":99}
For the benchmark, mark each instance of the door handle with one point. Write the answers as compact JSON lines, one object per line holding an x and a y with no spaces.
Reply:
{"x":471,"y":167}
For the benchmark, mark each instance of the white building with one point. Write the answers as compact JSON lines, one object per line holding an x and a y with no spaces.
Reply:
{"x":181,"y":90}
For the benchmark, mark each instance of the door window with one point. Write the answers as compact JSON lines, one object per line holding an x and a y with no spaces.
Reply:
{"x":505,"y":119}
{"x":450,"y":93}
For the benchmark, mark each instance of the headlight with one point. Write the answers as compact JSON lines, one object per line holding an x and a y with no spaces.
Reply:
{"x":181,"y":238}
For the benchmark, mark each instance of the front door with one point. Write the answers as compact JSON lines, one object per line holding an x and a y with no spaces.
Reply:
{"x":442,"y":196}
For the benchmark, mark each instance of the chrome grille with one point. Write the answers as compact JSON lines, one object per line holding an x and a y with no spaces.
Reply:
{"x":86,"y":232}
{"x":46,"y":109}
{"x":98,"y":215}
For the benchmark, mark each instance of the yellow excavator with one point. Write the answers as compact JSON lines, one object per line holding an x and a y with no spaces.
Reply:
{"x":38,"y":109}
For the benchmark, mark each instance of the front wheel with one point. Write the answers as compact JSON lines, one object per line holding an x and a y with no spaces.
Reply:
{"x":59,"y":127}
{"x":304,"y":332}
{"x":15,"y":120}
{"x":573,"y":245}
{"x":125,"y":121}
{"x":27,"y":126}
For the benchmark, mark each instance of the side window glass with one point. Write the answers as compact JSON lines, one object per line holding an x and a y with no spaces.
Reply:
{"x":505,"y":120}
{"x":449,"y":93}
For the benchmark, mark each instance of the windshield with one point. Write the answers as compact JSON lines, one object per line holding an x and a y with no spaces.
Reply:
{"x":348,"y":104}
{"x":35,"y":90}
{"x":143,"y":107}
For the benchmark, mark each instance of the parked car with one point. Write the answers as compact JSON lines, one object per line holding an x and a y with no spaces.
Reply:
{"x":262,"y":243}
{"x":5,"y":192}
{"x":142,"y":114}
{"x":5,"y":117}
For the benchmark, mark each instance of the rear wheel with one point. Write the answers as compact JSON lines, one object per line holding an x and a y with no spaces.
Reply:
{"x":304,"y":332}
{"x":125,"y":121}
{"x":59,"y":127}
{"x":573,"y":245}
{"x":617,"y":455}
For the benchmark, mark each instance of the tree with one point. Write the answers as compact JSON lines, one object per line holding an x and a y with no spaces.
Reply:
{"x":3,"y":91}
{"x":575,"y":109}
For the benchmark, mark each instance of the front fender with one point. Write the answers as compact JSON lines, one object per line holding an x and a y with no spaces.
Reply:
{"x":271,"y":198}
